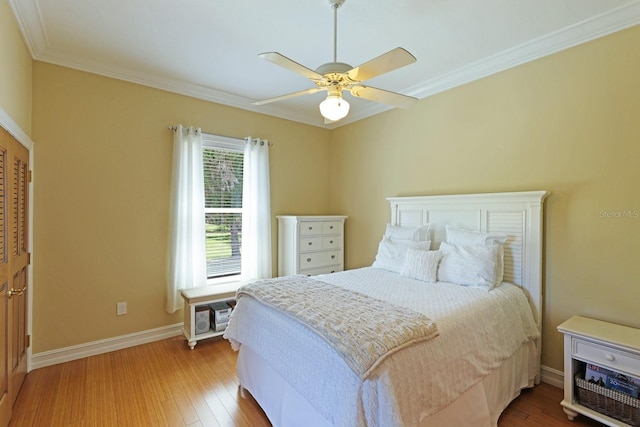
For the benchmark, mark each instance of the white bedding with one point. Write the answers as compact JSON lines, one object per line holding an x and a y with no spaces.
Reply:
{"x":479,"y":330}
{"x":363,"y":339}
{"x":480,"y":406}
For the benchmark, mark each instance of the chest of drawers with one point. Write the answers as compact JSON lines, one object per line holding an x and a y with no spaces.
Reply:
{"x":310,"y":244}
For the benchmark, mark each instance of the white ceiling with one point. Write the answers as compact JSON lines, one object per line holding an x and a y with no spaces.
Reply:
{"x":208,"y":48}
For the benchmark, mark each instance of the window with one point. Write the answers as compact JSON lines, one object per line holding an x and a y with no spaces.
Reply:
{"x":223,"y":164}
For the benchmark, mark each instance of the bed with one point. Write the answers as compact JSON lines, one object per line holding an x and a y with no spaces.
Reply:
{"x":466,"y":356}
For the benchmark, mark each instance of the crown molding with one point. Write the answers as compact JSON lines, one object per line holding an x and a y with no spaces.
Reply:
{"x":30,"y":21}
{"x":582,"y":32}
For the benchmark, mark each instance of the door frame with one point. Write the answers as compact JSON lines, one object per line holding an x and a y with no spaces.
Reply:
{"x":12,"y":127}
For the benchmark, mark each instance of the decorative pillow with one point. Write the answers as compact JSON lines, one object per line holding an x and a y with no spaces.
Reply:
{"x":469,"y":265}
{"x":391,"y":253}
{"x":460,"y":237}
{"x":407,"y":233}
{"x":421,"y":265}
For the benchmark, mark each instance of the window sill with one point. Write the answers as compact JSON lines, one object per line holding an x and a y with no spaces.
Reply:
{"x":224,"y":280}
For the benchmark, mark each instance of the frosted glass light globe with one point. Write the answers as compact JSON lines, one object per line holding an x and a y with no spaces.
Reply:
{"x":334,"y":108}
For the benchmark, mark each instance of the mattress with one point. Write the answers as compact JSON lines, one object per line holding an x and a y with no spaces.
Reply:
{"x":479,"y":332}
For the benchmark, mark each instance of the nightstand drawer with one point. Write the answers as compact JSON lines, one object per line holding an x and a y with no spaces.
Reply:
{"x":318,"y":259}
{"x":606,"y":356}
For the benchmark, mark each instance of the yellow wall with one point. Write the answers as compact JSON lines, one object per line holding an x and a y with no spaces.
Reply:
{"x":103,"y":183}
{"x":15,"y":71}
{"x":568,"y":123}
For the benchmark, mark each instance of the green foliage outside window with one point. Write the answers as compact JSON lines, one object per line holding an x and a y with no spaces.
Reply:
{"x":223,"y":174}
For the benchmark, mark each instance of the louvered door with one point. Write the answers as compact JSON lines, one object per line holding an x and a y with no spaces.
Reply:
{"x":14,"y":261}
{"x":5,"y":400}
{"x":18,"y":260}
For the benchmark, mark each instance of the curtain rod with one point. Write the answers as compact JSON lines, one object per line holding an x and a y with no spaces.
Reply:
{"x":175,"y":128}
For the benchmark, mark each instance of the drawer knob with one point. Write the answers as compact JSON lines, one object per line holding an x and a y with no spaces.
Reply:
{"x":308,"y":259}
{"x":310,"y":243}
{"x":331,"y":241}
{"x":333,"y":256}
{"x":610,"y":357}
{"x":310,"y":228}
{"x":331,"y":227}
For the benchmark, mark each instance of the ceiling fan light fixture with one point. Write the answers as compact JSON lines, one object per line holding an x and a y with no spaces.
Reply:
{"x":337,"y":77}
{"x":334,"y":108}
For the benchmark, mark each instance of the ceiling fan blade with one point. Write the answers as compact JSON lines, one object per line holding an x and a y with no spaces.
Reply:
{"x":383,"y":96}
{"x":291,"y":95}
{"x":290,"y":65}
{"x":392,"y":60}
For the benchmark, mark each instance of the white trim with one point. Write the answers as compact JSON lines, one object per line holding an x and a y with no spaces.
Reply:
{"x":599,"y":26}
{"x":552,"y":376}
{"x":67,"y":354}
{"x":29,"y":19}
{"x":40,"y":360}
{"x":12,"y":127}
{"x":27,"y":14}
{"x":210,"y":140}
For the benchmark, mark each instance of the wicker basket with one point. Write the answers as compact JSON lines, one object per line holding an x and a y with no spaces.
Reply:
{"x":611,"y":403}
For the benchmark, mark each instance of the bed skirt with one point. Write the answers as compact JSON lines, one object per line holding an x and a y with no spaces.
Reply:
{"x":480,"y":406}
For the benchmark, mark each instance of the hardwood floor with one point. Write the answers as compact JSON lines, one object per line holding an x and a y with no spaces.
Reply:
{"x":166,"y":384}
{"x":540,"y":406}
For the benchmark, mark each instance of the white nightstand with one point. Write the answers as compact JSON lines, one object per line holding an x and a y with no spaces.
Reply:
{"x":202,"y":296}
{"x":605,"y":344}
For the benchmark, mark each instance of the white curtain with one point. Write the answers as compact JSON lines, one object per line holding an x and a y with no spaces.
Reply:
{"x":256,"y":218}
{"x":187,"y":262}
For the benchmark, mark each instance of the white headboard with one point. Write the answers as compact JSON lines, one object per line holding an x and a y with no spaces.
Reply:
{"x":517,"y":215}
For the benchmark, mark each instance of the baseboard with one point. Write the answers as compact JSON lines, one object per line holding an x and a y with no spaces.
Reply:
{"x":552,"y":376}
{"x":53,"y":357}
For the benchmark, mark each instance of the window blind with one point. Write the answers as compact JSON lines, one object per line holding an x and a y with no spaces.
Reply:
{"x":223,"y":172}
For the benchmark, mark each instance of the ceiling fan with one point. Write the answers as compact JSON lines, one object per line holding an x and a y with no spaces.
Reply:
{"x":336,"y":77}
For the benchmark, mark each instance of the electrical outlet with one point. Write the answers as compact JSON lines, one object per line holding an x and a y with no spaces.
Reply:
{"x":121,"y":308}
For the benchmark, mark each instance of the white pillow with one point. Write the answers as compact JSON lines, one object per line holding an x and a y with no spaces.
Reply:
{"x":460,"y":237}
{"x":469,"y":265}
{"x":391,"y":253}
{"x":397,"y":232}
{"x":421,"y":265}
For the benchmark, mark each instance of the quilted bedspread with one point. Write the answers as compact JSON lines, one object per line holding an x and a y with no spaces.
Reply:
{"x":363,"y":337}
{"x":478,"y":330}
